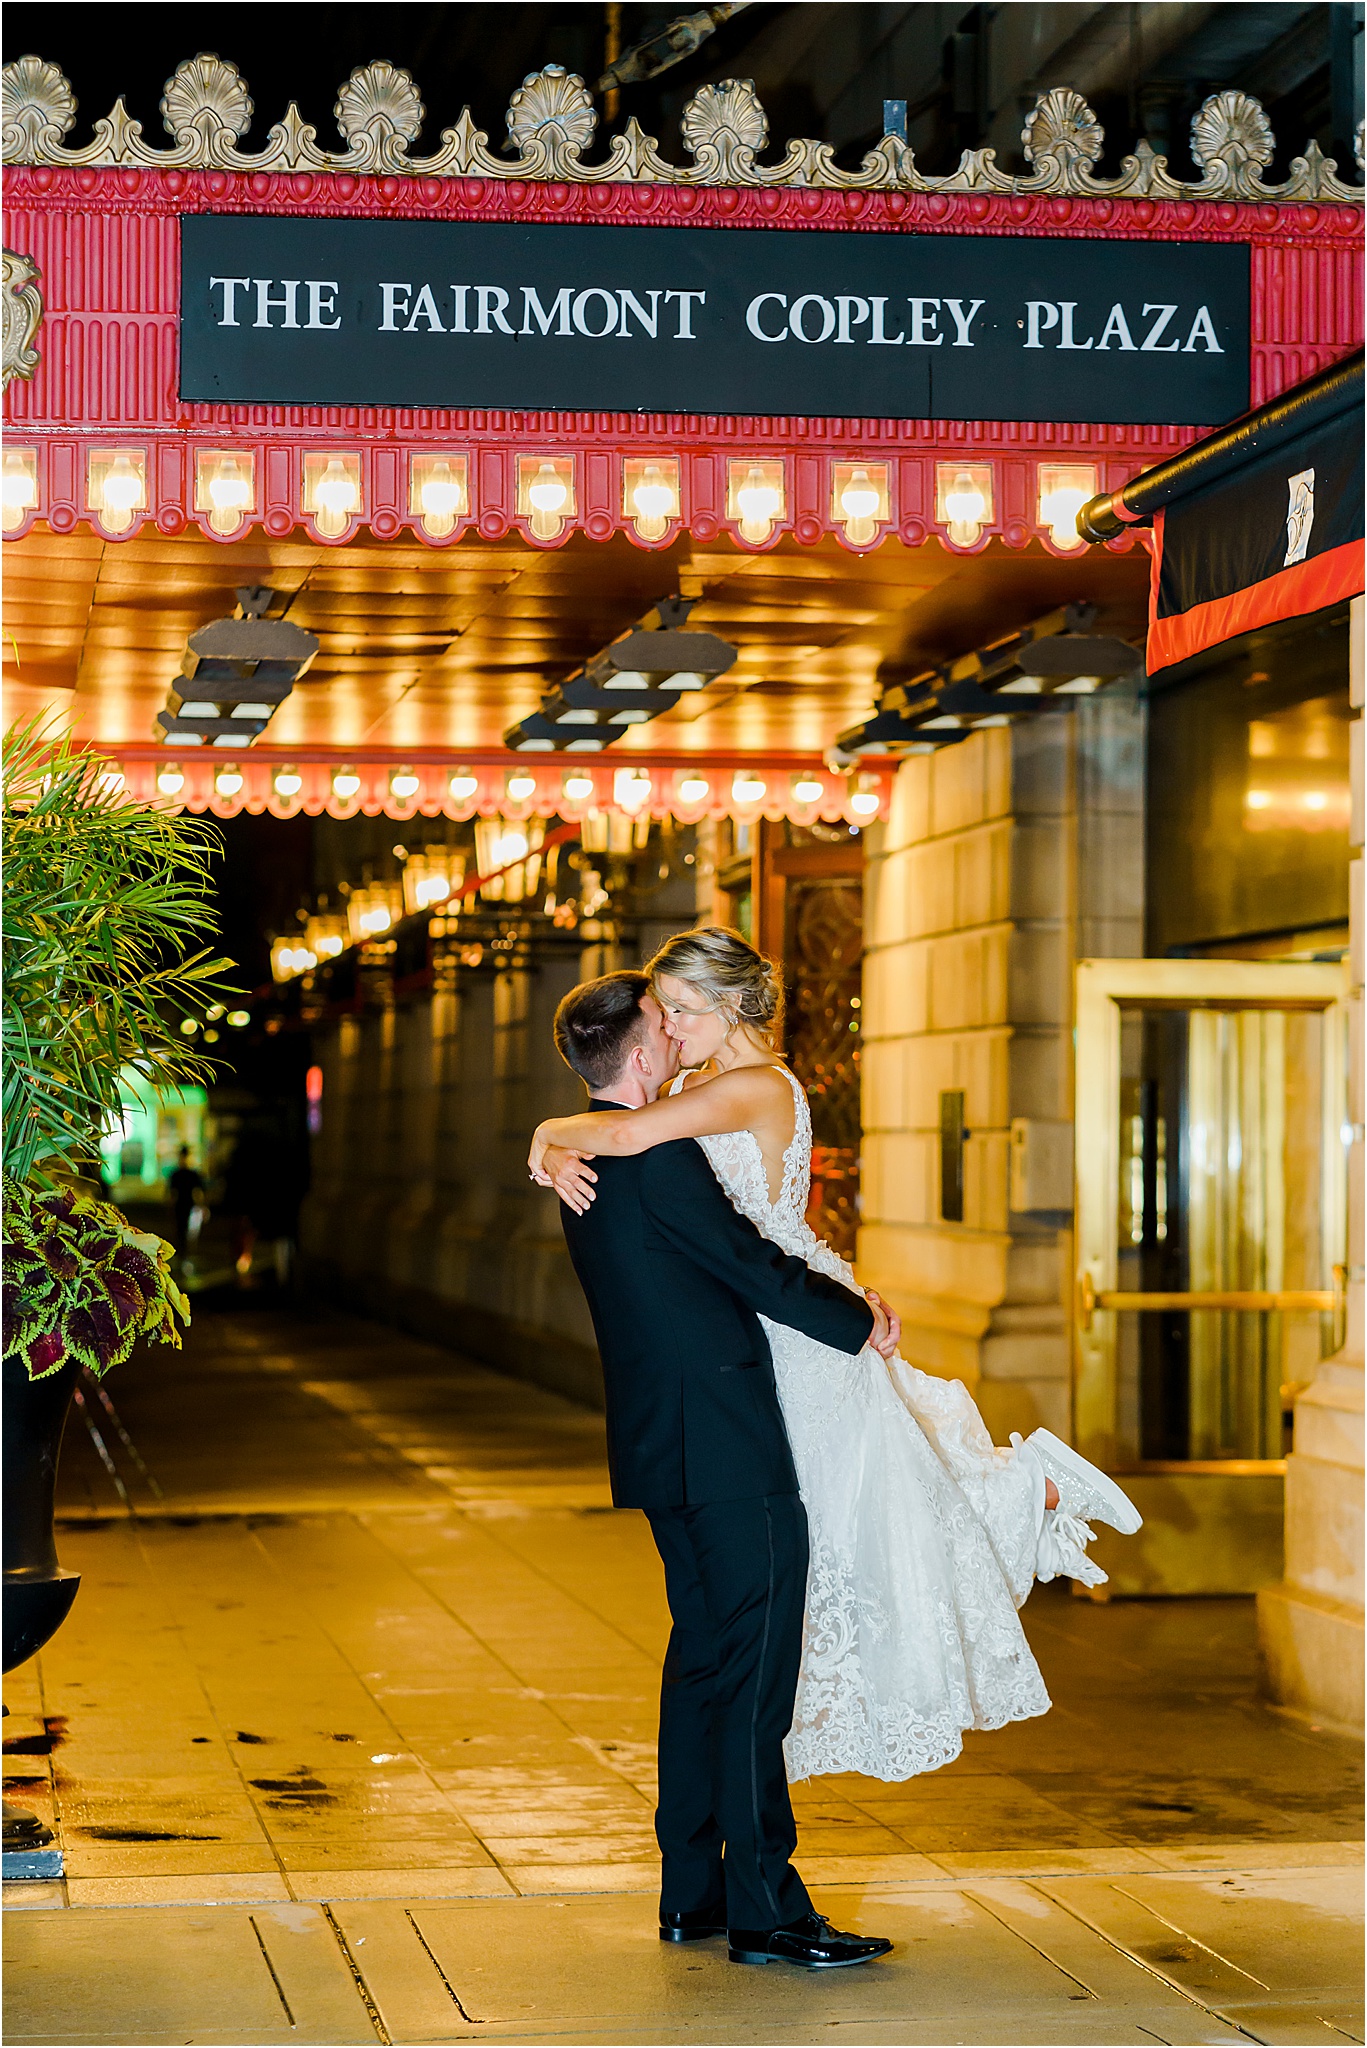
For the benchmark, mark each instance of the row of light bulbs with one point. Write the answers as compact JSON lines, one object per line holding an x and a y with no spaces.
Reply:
{"x":439,"y":493}
{"x":632,"y":787}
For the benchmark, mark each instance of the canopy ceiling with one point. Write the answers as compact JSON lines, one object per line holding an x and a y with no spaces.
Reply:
{"x":426,"y":648}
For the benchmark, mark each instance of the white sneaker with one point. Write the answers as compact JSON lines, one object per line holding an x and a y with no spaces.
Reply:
{"x":1085,"y":1494}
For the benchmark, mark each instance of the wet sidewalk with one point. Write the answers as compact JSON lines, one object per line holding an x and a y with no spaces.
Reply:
{"x":349,"y":1738}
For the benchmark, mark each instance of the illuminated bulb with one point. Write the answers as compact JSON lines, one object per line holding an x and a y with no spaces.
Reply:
{"x":18,"y":487}
{"x":654,"y":502}
{"x":376,"y":919}
{"x":170,"y":781}
{"x":760,"y":503}
{"x":859,"y":500}
{"x":520,"y":787}
{"x":442,"y":495}
{"x":239,"y":1019}
{"x":1062,"y":494}
{"x":404,"y":784}
{"x":1259,"y":799}
{"x":807,"y":790}
{"x":122,"y":487}
{"x":288,"y":782}
{"x":511,"y":846}
{"x":345,"y":784}
{"x":228,"y":781}
{"x":110,"y":780}
{"x":328,"y":949}
{"x":431,"y":889}
{"x":188,"y":1027}
{"x":335,"y":491}
{"x":577,"y":787}
{"x":1315,"y":800}
{"x":631,"y":788}
{"x":229,"y":489}
{"x":462,"y":785}
{"x":230,"y":493}
{"x":213,"y":1013}
{"x":694,"y":789}
{"x":966,"y":509}
{"x":548,"y":492}
{"x":864,"y":803}
{"x":749,"y":789}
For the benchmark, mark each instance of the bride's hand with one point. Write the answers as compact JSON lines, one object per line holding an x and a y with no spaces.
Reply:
{"x":887,"y":1325}
{"x":569,"y":1174}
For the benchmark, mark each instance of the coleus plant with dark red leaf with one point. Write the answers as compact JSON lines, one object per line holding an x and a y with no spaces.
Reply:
{"x":106,"y":898}
{"x":80,"y":1283}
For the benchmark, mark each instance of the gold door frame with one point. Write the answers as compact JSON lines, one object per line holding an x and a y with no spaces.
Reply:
{"x":1102,"y":988}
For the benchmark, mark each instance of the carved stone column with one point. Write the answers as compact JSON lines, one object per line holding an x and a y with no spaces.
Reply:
{"x":1311,"y":1624}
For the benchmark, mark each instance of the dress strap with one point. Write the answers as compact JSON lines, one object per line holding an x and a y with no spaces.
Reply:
{"x":798,"y":1089}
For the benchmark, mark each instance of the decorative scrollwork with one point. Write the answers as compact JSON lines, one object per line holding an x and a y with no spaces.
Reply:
{"x":23,"y":315}
{"x":37,"y":108}
{"x":552,"y":121}
{"x":206,"y":109}
{"x":379,"y":112}
{"x":722,"y":128}
{"x":1062,"y":137}
{"x":1232,"y":141}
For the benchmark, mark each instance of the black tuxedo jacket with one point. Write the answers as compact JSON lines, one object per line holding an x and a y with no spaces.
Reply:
{"x":674,"y":1278}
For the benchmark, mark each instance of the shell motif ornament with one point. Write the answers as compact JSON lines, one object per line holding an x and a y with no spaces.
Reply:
{"x":23,"y":315}
{"x":379,"y":113}
{"x":1062,"y":136}
{"x":552,"y":120}
{"x":552,"y":117}
{"x":1232,"y":141}
{"x":37,"y":108}
{"x":723,"y":126}
{"x":206,"y":108}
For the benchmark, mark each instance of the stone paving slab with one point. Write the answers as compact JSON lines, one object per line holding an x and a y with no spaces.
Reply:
{"x":1001,"y":1961}
{"x":358,"y":1720}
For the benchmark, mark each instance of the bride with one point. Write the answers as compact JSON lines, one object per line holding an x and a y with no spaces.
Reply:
{"x":925,"y":1537}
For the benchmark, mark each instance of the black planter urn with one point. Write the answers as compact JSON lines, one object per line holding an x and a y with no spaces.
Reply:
{"x":38,"y":1593}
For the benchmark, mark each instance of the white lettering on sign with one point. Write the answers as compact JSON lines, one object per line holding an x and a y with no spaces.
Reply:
{"x":267,"y":303}
{"x":963,"y":322}
{"x":557,"y":317}
{"x":1151,"y":345}
{"x":684,"y":331}
{"x":229,"y":287}
{"x":1201,"y":325}
{"x":607,"y":312}
{"x":753,"y":315}
{"x":1117,"y":327}
{"x":797,"y":317}
{"x":322,"y":299}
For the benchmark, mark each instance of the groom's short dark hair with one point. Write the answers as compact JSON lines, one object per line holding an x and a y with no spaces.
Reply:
{"x":597,"y":1024}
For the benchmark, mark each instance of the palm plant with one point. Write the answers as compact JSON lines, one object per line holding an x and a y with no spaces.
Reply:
{"x":103,"y":896}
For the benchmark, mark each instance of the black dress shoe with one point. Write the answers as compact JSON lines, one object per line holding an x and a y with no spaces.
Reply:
{"x":810,"y":1941}
{"x":702,"y":1925}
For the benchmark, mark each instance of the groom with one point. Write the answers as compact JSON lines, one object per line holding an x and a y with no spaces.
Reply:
{"x":674,"y":1278}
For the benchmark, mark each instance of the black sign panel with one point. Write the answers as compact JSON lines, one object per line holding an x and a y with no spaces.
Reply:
{"x":712,"y":320}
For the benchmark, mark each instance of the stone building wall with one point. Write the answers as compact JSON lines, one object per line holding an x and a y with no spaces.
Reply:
{"x":1005,"y":859}
{"x":421,"y":1211}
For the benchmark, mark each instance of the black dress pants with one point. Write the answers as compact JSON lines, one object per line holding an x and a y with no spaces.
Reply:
{"x":736,"y":1576}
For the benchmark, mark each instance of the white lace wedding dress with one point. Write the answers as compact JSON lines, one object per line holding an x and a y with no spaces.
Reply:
{"x":924,"y":1535}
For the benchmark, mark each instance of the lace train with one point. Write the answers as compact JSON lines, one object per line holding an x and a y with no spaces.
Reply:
{"x":925,"y":1536}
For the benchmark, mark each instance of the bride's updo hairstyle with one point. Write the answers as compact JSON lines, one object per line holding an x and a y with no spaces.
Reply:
{"x":729,"y":975}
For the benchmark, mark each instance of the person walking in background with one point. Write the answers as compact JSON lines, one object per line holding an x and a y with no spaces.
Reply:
{"x":187,"y":1193}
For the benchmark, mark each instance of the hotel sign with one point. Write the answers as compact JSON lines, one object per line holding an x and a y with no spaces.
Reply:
{"x":278,"y":311}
